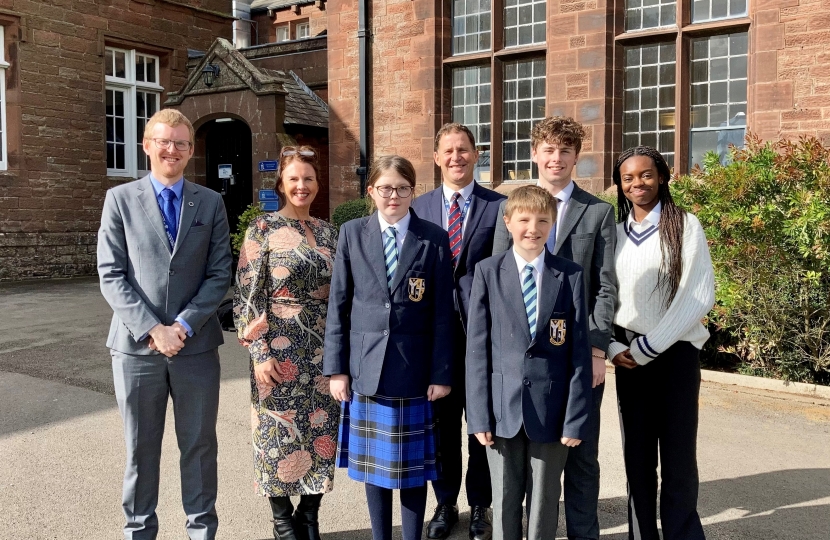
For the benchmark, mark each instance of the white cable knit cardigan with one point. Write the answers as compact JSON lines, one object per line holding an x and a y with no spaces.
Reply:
{"x":641,"y":307}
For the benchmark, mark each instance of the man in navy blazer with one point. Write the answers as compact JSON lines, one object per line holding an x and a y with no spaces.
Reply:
{"x":528,"y":368}
{"x":474,"y":210}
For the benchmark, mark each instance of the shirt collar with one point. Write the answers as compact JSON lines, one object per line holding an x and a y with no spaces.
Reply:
{"x":565,"y":193}
{"x":537,"y":263}
{"x":653,"y":217}
{"x":465,"y":192}
{"x":400,"y":227}
{"x":177,"y":188}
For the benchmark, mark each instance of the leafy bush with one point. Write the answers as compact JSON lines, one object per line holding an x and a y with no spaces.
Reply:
{"x":767,"y":219}
{"x":245,"y":219}
{"x":350,"y":210}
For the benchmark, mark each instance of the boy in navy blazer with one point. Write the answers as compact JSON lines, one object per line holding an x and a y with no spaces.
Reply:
{"x":528,"y":368}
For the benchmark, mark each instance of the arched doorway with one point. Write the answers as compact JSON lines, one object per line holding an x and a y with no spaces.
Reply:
{"x":228,"y":164}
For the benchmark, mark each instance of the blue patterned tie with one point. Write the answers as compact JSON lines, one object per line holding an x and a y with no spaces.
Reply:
{"x":390,"y":255}
{"x":169,"y":211}
{"x":529,"y":294}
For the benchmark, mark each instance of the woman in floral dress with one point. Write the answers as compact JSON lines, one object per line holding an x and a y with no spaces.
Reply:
{"x":282,"y":290}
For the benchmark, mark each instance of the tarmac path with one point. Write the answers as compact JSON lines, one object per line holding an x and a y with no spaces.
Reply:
{"x":764,"y":458}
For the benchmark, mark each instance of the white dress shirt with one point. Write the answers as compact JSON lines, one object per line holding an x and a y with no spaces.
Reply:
{"x":653,"y":218}
{"x":400,"y":229}
{"x":466,"y":192}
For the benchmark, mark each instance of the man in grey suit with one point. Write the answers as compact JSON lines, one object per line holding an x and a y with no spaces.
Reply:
{"x":584,"y":233}
{"x":164,"y":263}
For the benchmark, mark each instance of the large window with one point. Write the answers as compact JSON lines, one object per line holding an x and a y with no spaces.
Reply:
{"x":685,"y":83}
{"x":4,"y":162}
{"x":132,"y":97}
{"x":471,"y":100}
{"x":524,"y":105}
{"x":496,"y":72}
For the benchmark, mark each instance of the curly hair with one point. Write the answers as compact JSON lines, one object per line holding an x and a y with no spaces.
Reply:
{"x":558,"y":130}
{"x":672,"y":219}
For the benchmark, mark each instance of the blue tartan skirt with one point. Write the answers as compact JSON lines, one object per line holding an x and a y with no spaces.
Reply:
{"x":388,"y":442}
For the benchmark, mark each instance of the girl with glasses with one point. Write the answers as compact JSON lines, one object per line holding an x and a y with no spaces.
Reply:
{"x":388,"y":347}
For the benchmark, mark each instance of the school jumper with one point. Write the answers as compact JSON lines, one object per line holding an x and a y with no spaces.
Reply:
{"x":658,"y":400}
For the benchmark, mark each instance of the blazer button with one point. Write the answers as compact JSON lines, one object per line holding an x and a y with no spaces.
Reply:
{"x":386,"y":305}
{"x":172,"y":272}
{"x":528,"y":355}
{"x":386,"y":332}
{"x":527,"y":383}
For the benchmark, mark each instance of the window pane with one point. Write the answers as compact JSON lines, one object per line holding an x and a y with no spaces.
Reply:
{"x":525,"y":24}
{"x":109,"y":62}
{"x":139,"y":68}
{"x":151,"y":69}
{"x":643,"y":14}
{"x":648,"y":104}
{"x":471,"y":26}
{"x":120,"y":64}
{"x":471,"y":106}
{"x":524,"y":83}
{"x":709,"y":10}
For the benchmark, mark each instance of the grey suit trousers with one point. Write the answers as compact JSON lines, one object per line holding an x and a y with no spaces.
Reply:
{"x":522,"y":468}
{"x":142,"y":386}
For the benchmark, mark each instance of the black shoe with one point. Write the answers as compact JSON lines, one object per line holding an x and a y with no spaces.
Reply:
{"x":283,"y":524}
{"x":481,"y":528}
{"x":441,"y":524}
{"x":284,"y":529}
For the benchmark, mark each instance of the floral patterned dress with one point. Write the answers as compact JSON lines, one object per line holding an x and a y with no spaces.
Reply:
{"x":282,"y":291}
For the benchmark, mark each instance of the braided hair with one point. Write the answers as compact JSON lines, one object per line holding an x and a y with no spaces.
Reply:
{"x":672,"y":219}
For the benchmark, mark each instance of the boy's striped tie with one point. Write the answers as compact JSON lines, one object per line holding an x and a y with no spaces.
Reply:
{"x":529,"y":294}
{"x":390,"y":254}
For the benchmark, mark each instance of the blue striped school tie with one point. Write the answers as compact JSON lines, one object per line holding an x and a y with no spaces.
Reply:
{"x":529,"y":294}
{"x":390,"y":255}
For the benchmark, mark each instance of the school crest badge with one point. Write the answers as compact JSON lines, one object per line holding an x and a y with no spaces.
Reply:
{"x":557,"y":331}
{"x":417,"y":287}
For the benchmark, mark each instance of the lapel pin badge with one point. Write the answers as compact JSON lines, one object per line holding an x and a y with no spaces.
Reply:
{"x":190,"y":203}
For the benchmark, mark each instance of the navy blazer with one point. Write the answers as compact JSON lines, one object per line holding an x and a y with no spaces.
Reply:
{"x":476,"y":241}
{"x":394,"y":346}
{"x":544,"y":384}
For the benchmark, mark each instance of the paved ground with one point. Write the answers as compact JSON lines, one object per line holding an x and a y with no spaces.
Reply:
{"x":764,"y":458}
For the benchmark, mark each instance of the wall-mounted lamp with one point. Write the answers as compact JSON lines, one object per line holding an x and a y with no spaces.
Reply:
{"x":209,"y":74}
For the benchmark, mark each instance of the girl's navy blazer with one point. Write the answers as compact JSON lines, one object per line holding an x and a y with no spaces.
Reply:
{"x":391,"y":345}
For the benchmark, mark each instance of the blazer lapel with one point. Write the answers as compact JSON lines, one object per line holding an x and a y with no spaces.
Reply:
{"x":576,"y":207}
{"x":412,"y":243}
{"x":190,"y":204}
{"x":551,"y":283}
{"x":150,"y":205}
{"x":374,"y":242}
{"x":477,"y":206}
{"x":510,"y":278}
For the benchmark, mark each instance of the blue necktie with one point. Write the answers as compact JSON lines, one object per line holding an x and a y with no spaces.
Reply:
{"x":390,"y":255}
{"x":169,"y":211}
{"x":529,"y":294}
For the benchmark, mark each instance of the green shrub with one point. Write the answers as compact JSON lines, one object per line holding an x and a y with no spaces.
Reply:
{"x":245,"y":219}
{"x":767,"y":219}
{"x":350,"y":210}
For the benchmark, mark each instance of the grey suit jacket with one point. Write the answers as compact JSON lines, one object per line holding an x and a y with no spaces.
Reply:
{"x":145,"y":283}
{"x":587,"y":237}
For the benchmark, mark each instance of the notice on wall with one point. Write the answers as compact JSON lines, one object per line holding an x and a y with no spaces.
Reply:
{"x":225,"y":171}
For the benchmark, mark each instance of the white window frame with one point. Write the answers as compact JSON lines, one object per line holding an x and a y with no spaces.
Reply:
{"x":286,"y":33}
{"x":306,"y":26}
{"x":4,"y":159}
{"x":130,"y":86}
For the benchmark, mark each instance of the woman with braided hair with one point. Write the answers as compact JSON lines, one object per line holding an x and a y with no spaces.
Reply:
{"x":666,"y":286}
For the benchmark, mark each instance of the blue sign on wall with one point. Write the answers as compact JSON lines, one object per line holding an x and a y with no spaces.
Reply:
{"x":267,"y":195}
{"x":269,"y":206}
{"x":268,"y":165}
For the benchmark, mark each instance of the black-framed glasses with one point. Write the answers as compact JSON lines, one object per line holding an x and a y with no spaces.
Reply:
{"x":294,"y":152}
{"x":402,"y":191}
{"x":181,"y":145}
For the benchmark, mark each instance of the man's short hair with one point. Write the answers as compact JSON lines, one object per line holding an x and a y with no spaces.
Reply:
{"x":454,"y":127}
{"x":171,"y":117}
{"x":559,"y":130}
{"x":530,"y":199}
